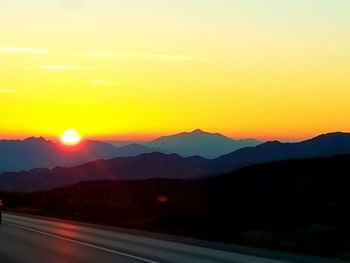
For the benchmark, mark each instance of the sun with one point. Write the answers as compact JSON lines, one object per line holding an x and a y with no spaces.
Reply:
{"x":70,"y":137}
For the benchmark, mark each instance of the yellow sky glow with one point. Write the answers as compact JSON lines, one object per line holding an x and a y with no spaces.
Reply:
{"x":112,"y":69}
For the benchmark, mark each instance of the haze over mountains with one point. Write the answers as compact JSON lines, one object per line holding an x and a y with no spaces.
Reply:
{"x":159,"y":165}
{"x":16,"y":155}
{"x":198,"y":142}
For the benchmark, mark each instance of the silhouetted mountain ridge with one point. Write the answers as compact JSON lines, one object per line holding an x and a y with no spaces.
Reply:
{"x":324,"y":145}
{"x":144,"y":166}
{"x":198,"y":142}
{"x":159,"y":165}
{"x":18,"y":155}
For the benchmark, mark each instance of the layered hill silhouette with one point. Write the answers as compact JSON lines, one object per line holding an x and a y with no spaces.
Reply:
{"x":145,"y":166}
{"x":198,"y":142}
{"x":18,"y":155}
{"x":324,"y":145}
{"x":297,"y":205}
{"x":159,"y":165}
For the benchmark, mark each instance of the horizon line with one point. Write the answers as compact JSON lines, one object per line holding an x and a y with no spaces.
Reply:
{"x":147,"y":137}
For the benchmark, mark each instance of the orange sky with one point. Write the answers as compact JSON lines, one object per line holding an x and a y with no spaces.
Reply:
{"x":139,"y":69}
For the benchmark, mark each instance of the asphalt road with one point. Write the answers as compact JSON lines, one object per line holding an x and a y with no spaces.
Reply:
{"x":28,"y":239}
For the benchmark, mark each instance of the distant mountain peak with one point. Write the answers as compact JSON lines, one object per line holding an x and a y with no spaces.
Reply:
{"x":272,"y":143}
{"x":201,"y":132}
{"x":201,"y":143}
{"x":196,"y":131}
{"x":331,"y":135}
{"x":36,"y":139}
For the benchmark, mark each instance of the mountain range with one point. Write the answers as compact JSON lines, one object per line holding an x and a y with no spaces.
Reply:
{"x":145,"y":166}
{"x":323,"y":145}
{"x":18,"y":155}
{"x":198,"y":142}
{"x":160,"y":165}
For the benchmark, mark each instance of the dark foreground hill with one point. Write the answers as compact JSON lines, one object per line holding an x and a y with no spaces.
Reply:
{"x":300,"y":205}
{"x":145,"y":166}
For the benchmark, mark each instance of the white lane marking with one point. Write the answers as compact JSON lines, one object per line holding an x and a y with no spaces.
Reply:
{"x":85,"y":244}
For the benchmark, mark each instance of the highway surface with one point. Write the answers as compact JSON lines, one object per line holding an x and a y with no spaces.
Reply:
{"x":28,"y":239}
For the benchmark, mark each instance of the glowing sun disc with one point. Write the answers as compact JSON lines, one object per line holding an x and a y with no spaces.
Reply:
{"x":70,"y":137}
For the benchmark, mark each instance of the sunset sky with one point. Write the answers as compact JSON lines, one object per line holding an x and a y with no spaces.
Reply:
{"x":136,"y":69}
